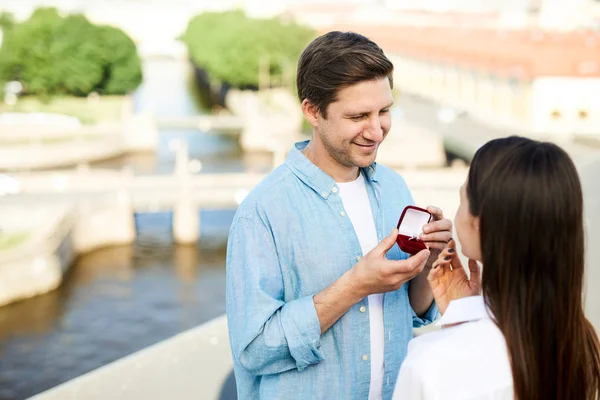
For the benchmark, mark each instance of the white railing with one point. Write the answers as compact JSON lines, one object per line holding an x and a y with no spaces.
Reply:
{"x":216,"y":124}
{"x":192,"y":365}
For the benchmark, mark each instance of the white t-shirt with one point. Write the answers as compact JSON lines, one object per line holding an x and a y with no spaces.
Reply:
{"x":358,"y":208}
{"x":466,"y":362}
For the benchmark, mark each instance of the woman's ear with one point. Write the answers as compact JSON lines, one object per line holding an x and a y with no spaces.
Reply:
{"x":311,"y":113}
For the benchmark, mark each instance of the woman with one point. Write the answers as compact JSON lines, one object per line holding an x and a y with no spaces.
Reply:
{"x":525,"y":336}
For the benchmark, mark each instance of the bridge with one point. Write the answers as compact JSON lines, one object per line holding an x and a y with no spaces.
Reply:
{"x":164,"y":192}
{"x":217,"y":124}
{"x":144,"y":193}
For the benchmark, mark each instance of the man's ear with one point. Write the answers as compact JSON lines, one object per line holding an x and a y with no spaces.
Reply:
{"x":311,"y":113}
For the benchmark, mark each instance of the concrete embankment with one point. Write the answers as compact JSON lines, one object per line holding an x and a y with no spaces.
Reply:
{"x":57,"y":235}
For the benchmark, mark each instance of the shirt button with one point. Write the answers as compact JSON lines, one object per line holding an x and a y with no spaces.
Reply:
{"x":358,"y":258}
{"x":334,"y":189}
{"x":365,"y":357}
{"x":343,"y":214}
{"x":363,"y":308}
{"x":323,"y":194}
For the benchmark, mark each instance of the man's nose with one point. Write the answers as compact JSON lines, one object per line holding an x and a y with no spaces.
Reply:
{"x":374,"y":131}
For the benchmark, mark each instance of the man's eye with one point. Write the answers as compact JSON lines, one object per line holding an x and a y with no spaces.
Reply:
{"x":387,"y":110}
{"x":357,"y":117}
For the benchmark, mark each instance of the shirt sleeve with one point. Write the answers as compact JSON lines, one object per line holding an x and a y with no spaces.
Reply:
{"x":267,"y":335}
{"x":430,"y":316}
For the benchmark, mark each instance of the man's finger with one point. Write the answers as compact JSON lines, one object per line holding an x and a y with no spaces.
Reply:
{"x":386,"y":243}
{"x":438,"y":226}
{"x":418,"y":260}
{"x":442,"y":236}
{"x":410,"y":265}
{"x":436,"y":212}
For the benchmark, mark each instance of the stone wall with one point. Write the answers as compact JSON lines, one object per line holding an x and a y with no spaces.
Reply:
{"x":57,"y":237}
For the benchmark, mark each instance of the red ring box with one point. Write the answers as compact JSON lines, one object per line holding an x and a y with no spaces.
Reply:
{"x":410,"y":226}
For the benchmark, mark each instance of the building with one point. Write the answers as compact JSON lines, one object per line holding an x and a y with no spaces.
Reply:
{"x":533,"y":65}
{"x":538,"y":81}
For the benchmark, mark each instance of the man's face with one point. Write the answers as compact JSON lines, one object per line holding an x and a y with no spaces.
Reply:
{"x":357,"y":123}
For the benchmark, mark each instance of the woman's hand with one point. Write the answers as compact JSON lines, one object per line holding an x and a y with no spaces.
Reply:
{"x":448,"y":279}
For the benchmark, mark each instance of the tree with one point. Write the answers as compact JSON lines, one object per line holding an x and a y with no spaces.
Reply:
{"x":230,"y":46}
{"x":51,"y":54}
{"x":7,"y":21}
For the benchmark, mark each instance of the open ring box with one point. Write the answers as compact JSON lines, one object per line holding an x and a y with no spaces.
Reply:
{"x":410,"y":226}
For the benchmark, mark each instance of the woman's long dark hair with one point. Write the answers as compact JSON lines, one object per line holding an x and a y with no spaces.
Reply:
{"x":528,"y":198}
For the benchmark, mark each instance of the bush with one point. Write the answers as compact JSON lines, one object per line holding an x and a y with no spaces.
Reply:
{"x":51,"y":55}
{"x":231,"y":47}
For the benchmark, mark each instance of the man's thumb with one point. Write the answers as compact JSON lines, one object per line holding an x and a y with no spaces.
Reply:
{"x":387,"y":242}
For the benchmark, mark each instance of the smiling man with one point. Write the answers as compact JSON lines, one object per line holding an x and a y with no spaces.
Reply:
{"x":320,"y":303}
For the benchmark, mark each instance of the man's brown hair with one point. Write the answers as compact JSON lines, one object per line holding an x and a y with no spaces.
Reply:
{"x":337,"y":60}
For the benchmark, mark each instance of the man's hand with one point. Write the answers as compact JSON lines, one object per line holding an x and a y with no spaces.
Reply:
{"x":374,"y":273}
{"x":436,"y":234}
{"x":449,"y":281}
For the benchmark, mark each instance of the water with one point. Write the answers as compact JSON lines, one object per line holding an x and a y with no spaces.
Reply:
{"x":118,"y":300}
{"x":168,"y":91}
{"x":113,"y":302}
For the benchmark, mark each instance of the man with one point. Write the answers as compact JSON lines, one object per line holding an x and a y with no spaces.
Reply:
{"x":320,"y":303}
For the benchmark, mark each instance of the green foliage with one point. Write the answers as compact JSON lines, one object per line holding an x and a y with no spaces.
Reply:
{"x":51,"y":55}
{"x":231,"y":47}
{"x":7,"y":21}
{"x":122,"y":72}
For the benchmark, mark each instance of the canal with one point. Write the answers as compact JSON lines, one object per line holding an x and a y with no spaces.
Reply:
{"x":118,"y":300}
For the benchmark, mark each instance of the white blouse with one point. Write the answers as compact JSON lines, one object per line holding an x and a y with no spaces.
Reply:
{"x":468,"y":361}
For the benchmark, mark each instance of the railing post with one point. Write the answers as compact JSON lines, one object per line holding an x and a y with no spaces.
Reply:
{"x":186,"y":217}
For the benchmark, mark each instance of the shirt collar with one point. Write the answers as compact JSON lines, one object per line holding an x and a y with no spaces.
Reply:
{"x":466,"y":309}
{"x":312,"y":175}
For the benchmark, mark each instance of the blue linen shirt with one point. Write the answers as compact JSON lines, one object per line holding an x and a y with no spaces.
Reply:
{"x":289,"y":240}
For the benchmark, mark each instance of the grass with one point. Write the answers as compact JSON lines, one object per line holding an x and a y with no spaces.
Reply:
{"x":105,"y":108}
{"x":11,"y":240}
